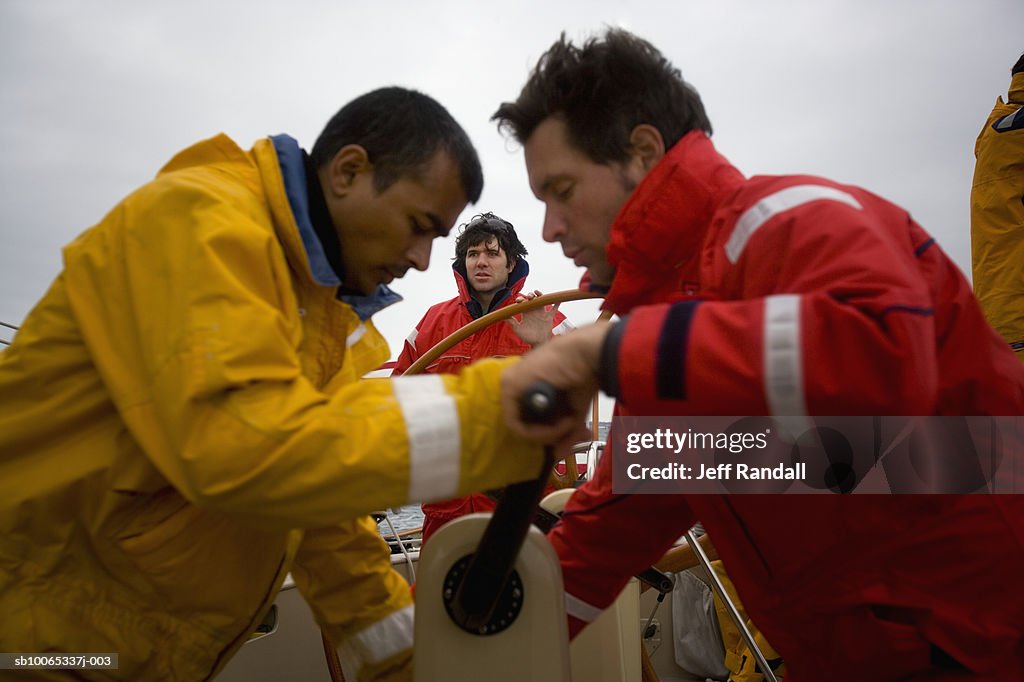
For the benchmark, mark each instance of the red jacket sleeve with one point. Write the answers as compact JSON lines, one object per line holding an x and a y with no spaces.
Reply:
{"x":412,"y":348}
{"x":405,"y":359}
{"x":560,"y":324}
{"x":823,"y":311}
{"x":600,"y":544}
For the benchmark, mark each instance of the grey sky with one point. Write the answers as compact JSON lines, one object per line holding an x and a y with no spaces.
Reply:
{"x":98,"y":95}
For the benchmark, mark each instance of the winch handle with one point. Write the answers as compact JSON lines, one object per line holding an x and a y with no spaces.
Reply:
{"x":480,"y":589}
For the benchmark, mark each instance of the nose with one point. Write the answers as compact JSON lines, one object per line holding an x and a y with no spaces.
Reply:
{"x":419,"y":253}
{"x":554,"y":228}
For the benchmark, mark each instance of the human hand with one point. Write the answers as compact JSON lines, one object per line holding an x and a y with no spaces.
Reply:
{"x":568,"y":363}
{"x":534,"y":326}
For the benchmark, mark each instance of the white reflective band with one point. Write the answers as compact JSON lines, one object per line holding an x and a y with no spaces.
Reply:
{"x":774,"y":204}
{"x":1007,"y":121}
{"x":581,"y":610}
{"x":411,"y":340}
{"x":564,"y":328}
{"x":783,"y":361}
{"x":432,"y":426}
{"x":376,"y":643}
{"x":354,"y":337}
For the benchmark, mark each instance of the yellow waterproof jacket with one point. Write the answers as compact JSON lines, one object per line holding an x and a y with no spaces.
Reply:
{"x":997,"y":217}
{"x":182,"y":423}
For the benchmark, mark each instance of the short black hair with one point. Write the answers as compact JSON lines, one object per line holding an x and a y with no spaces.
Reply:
{"x":1018,"y":67}
{"x":602,"y":91}
{"x":401,"y":131}
{"x":481,"y":229}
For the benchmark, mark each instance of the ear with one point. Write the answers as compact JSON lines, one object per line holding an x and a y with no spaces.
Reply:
{"x":647,"y":145}
{"x":345,"y":169}
{"x":511,"y":263}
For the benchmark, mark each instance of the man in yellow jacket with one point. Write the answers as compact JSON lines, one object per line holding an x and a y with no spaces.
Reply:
{"x":997,"y":215}
{"x":181,"y":421}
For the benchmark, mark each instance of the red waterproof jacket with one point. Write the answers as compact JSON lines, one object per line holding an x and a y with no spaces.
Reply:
{"x":799,"y":296}
{"x":497,"y":340}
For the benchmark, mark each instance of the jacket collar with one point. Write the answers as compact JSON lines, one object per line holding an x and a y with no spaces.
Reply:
{"x":293,"y":171}
{"x":1016,"y":92}
{"x":516,"y":281}
{"x":656,"y":239}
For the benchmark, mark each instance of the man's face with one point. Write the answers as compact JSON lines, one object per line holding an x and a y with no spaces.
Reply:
{"x":487,"y":266}
{"x":384,"y":234}
{"x":581,"y":197}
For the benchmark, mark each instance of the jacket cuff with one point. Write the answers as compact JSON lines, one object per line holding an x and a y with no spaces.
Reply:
{"x":655,"y":347}
{"x":608,"y":367}
{"x":385,"y":643}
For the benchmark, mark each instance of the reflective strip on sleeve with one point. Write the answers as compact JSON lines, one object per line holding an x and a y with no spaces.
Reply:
{"x":378,"y":642}
{"x":564,"y":328}
{"x":774,"y":204}
{"x":783,"y":360}
{"x":354,"y":337}
{"x":581,"y":610}
{"x":1014,"y":121}
{"x":432,"y":425}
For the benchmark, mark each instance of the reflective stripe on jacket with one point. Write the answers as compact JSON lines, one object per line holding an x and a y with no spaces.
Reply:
{"x":997,"y":217}
{"x":182,"y":424}
{"x":795,"y":296}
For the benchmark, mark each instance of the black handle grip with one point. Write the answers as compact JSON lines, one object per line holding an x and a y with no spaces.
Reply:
{"x":542,"y":403}
{"x":490,"y":567}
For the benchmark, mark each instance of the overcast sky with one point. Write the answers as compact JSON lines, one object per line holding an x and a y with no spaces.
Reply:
{"x":97,"y":95}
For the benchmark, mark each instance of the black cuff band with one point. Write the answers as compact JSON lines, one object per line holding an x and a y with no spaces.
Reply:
{"x":608,"y":369}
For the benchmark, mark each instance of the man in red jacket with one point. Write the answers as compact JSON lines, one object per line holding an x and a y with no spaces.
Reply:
{"x":490,"y":272}
{"x":788,"y":296}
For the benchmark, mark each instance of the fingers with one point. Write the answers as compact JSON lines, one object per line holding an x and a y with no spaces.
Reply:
{"x":527,"y":296}
{"x":563,"y":363}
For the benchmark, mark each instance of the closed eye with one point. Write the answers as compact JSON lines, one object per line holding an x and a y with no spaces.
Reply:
{"x":419,"y":228}
{"x":563,"y":193}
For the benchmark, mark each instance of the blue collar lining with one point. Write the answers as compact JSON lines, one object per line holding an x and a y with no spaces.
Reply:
{"x":293,"y":171}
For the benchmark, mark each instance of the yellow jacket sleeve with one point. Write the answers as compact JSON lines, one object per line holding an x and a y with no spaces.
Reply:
{"x":202,"y":359}
{"x":362,"y":604}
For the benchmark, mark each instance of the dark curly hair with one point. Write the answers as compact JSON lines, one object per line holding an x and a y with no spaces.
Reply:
{"x":481,"y":229}
{"x":602,"y":91}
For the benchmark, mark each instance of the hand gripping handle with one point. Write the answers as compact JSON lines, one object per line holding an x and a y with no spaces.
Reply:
{"x":542,"y":403}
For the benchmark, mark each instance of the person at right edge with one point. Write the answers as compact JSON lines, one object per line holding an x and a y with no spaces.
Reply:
{"x":769,"y":295}
{"x":997,"y":215}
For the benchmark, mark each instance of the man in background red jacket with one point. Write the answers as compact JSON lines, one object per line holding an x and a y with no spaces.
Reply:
{"x":789,"y":296}
{"x":490,"y":272}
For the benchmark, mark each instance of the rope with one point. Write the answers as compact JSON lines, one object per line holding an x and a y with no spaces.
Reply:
{"x":9,"y":326}
{"x":401,"y":545}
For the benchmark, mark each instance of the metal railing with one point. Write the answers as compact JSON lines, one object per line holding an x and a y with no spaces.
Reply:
{"x":6,"y":342}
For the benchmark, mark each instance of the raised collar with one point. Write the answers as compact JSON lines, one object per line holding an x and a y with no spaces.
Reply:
{"x":656,"y":239}
{"x":1015,"y":95}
